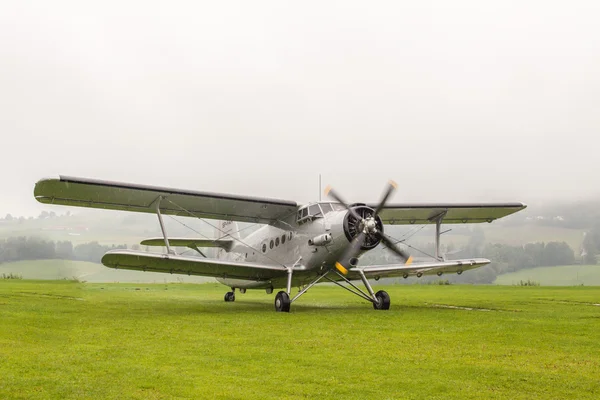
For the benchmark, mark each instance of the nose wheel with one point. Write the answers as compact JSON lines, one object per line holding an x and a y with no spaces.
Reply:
{"x":383,"y":301}
{"x":229,"y":296}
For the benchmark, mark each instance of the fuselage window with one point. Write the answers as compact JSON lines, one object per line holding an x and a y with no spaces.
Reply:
{"x":264,"y":248}
{"x":271,"y":244}
{"x":282,"y":239}
{"x":277,"y":242}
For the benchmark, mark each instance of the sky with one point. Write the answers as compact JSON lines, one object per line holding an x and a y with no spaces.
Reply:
{"x":455,"y":101}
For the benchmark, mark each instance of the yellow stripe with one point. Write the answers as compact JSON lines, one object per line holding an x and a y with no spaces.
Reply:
{"x":327,"y":190}
{"x":409,"y":261}
{"x":394,"y":184}
{"x":341,"y":268}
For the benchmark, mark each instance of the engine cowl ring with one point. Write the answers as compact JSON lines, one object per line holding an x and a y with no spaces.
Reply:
{"x":352,"y":226}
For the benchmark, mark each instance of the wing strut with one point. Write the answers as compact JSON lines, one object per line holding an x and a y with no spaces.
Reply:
{"x":162,"y":226}
{"x":438,"y":224}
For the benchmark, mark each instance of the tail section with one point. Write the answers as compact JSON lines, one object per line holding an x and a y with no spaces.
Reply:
{"x":227,"y":230}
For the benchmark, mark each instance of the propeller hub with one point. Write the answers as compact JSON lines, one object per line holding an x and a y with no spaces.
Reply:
{"x":368,"y":224}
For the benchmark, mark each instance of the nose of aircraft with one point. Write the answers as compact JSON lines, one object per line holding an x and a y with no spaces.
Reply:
{"x":367,"y":227}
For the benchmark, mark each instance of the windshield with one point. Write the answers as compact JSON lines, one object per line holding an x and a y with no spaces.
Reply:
{"x":314,"y":210}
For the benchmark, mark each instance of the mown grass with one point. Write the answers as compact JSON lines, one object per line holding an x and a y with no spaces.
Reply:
{"x":122,"y":341}
{"x":568,"y":275}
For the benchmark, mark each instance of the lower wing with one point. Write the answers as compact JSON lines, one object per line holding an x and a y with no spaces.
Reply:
{"x":436,"y":267}
{"x":174,"y":264}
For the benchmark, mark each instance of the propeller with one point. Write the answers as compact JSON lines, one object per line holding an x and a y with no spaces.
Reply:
{"x":368,"y":227}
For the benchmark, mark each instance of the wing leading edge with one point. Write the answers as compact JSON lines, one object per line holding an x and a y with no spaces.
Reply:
{"x":436,"y":267}
{"x":92,"y":193}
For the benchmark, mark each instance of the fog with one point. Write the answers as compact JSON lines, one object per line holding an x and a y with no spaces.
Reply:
{"x":456,"y":101}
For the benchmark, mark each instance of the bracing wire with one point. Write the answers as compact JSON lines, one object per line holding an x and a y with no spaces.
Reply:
{"x":225,"y":233}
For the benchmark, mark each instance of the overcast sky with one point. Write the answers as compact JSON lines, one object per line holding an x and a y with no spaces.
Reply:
{"x":456,"y":101}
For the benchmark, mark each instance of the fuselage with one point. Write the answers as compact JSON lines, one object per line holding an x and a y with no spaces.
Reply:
{"x":272,"y":245}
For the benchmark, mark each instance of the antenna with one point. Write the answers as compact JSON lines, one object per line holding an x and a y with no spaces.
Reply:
{"x":320,"y":187}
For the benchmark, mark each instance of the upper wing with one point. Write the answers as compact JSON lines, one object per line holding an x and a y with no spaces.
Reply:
{"x":436,"y":267}
{"x":141,"y":261}
{"x":94,"y":193}
{"x":452,"y":213}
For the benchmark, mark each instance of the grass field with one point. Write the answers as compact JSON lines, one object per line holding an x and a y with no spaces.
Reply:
{"x":67,"y":340}
{"x":568,"y":275}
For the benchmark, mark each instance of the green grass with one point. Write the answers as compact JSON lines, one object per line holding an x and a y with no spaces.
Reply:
{"x":568,"y":275}
{"x":69,"y":340}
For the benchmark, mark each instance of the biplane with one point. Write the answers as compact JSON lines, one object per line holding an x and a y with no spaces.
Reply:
{"x":295,"y":246}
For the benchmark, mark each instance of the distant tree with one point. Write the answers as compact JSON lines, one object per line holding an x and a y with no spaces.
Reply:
{"x":64,"y":250}
{"x":591,"y":245}
{"x":476,"y":242}
{"x":93,"y":251}
{"x":8,"y":217}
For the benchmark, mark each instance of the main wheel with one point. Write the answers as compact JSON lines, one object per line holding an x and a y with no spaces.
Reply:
{"x":282,"y":302}
{"x":383,"y":301}
{"x":229,"y":296}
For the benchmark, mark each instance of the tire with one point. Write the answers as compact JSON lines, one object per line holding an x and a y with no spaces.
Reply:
{"x":229,"y":296}
{"x":282,"y":302}
{"x":383,"y":301}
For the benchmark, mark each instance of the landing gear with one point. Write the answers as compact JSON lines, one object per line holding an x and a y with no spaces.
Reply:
{"x":282,"y":302}
{"x":380,"y":300}
{"x":383,"y":301}
{"x":230,"y":296}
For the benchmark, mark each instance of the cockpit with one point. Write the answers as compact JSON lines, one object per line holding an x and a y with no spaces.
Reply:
{"x":312,"y":211}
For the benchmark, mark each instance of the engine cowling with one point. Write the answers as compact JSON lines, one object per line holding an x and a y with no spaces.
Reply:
{"x":353,"y":226}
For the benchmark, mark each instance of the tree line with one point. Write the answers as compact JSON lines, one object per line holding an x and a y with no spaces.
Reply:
{"x":33,"y":248}
{"x":507,"y":258}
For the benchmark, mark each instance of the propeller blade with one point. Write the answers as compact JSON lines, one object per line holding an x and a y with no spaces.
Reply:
{"x":350,"y":252}
{"x":386,"y":195}
{"x":393,"y":247}
{"x":331,"y":193}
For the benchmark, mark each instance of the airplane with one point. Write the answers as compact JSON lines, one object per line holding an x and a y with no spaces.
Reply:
{"x":296,"y":245}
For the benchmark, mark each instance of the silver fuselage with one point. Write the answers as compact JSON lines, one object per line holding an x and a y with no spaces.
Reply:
{"x":308,"y":260}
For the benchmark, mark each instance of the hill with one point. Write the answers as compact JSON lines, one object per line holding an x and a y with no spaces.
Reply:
{"x":89,"y":272}
{"x":569,"y":275}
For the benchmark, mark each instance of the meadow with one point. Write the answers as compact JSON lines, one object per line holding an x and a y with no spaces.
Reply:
{"x":89,"y":272}
{"x":567,"y":275}
{"x":73,"y":340}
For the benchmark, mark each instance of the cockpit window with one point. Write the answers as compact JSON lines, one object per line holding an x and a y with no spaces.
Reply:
{"x":314,"y":211}
{"x":326,"y":207}
{"x":337,"y":207}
